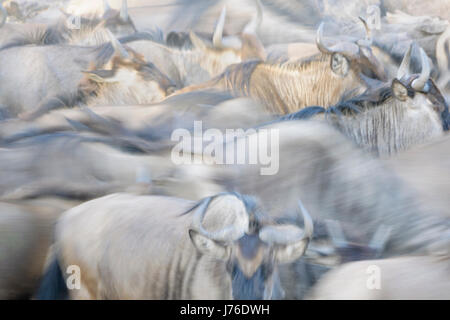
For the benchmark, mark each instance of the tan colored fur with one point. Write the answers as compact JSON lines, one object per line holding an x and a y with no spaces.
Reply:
{"x":138,"y":247}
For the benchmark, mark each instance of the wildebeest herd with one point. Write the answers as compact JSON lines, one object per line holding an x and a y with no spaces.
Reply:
{"x":94,"y":204}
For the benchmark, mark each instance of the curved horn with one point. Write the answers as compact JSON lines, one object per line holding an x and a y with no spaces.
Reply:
{"x":368,"y":39}
{"x":319,"y":40}
{"x":218,"y":32}
{"x":230,"y":233}
{"x":308,"y":228}
{"x":288,"y":233}
{"x":420,"y":82}
{"x":4,"y":15}
{"x":106,"y":6}
{"x":254,"y":24}
{"x":124,"y":11}
{"x":117,"y":45}
{"x":403,"y":70}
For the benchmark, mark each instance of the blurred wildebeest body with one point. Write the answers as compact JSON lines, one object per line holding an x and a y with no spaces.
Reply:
{"x":154,"y":123}
{"x":284,"y":21}
{"x":76,"y":166}
{"x":203,"y":61}
{"x":187,"y":67}
{"x":26,"y":233}
{"x":63,"y":75}
{"x":426,"y":169}
{"x":398,"y":30}
{"x":443,"y":62}
{"x":389,"y":118}
{"x":24,"y":10}
{"x":328,"y":249}
{"x":413,"y":277}
{"x":134,"y":140}
{"x":342,"y":183}
{"x":81,"y":153}
{"x":434,"y":8}
{"x":90,"y":31}
{"x":289,"y":86}
{"x":239,"y":249}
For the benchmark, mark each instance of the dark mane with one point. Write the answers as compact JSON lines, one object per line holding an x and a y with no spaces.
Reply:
{"x":346,"y":106}
{"x":237,"y":77}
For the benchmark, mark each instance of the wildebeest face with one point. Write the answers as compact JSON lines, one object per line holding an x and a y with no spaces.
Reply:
{"x":253,"y":270}
{"x":251,"y":264}
{"x":127,"y":76}
{"x":419,"y":91}
{"x":252,"y":259}
{"x":346,"y":56}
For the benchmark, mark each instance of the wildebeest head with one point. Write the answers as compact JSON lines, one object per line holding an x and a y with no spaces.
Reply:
{"x":126,"y":78}
{"x":234,"y":48}
{"x":118,"y":22}
{"x":347,"y":55}
{"x":419,"y":90}
{"x":92,"y":30}
{"x":393,"y":116}
{"x":251,"y":247}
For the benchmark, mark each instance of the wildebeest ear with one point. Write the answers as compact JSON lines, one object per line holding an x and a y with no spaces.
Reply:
{"x":209,"y":246}
{"x":339,"y":64}
{"x":101,"y":76}
{"x":288,"y":253}
{"x":196,"y":41}
{"x":399,"y":90}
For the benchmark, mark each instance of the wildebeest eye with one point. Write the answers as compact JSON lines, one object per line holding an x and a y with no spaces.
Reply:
{"x":339,"y":64}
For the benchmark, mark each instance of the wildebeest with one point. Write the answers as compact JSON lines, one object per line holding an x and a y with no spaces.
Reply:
{"x":120,"y":147}
{"x":339,"y":182}
{"x":204,"y":60}
{"x":391,"y":117}
{"x":443,"y":61}
{"x":410,"y":277}
{"x":154,"y":123}
{"x":434,"y":8}
{"x":26,"y":233}
{"x":342,"y":183}
{"x":290,"y":86}
{"x":226,"y":249}
{"x":398,"y":30}
{"x":90,"y":30}
{"x":426,"y":169}
{"x":63,"y":75}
